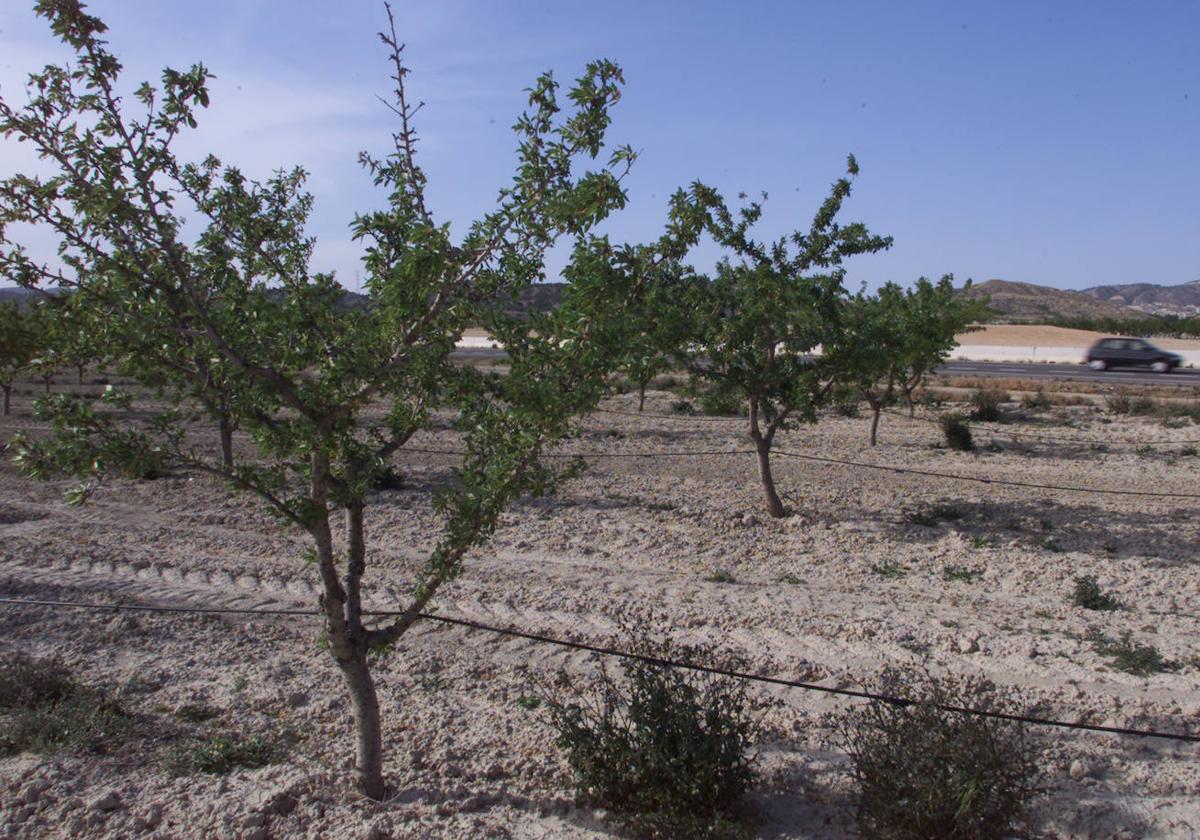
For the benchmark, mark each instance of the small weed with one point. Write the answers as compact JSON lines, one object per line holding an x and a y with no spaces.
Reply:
{"x":1052,"y":545}
{"x":196,"y":713}
{"x":961,"y":573}
{"x":240,"y":683}
{"x":889,"y":570}
{"x":913,"y":646}
{"x":431,"y":682}
{"x":721,"y":576}
{"x":979,"y":541}
{"x":931,"y":516}
{"x":791,"y":580}
{"x":1129,"y":656}
{"x":1188,"y":452}
{"x":1090,"y":596}
{"x":529,"y":701}
{"x":222,"y":754}
{"x":1046,"y":524}
{"x":682,"y":407}
{"x":1037,"y":401}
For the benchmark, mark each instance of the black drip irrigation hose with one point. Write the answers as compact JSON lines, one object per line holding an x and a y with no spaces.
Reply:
{"x":637,"y":657}
{"x":1156,"y":494}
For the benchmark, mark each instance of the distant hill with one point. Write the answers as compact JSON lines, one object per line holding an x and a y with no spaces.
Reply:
{"x":1183,"y":300}
{"x":1029,"y":303}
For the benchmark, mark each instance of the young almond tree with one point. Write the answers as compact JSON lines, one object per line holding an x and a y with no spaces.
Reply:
{"x":759,"y":325}
{"x":19,"y":346}
{"x":934,"y":313}
{"x":655,"y":330}
{"x":895,"y":338}
{"x":232,"y":322}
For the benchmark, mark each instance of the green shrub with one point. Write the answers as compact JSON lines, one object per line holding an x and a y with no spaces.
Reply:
{"x":721,"y":402}
{"x":682,"y":407}
{"x":387,"y":478}
{"x":1129,"y":656}
{"x":848,"y":408}
{"x":1090,"y":596}
{"x":957,"y":433}
{"x":721,"y":576}
{"x":221,"y":754}
{"x":920,"y":771}
{"x":986,"y":405}
{"x":666,"y":749}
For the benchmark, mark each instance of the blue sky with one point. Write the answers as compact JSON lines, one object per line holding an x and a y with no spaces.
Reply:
{"x":1055,"y":143}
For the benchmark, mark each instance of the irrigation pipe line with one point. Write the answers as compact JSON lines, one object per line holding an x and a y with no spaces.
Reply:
{"x":1056,"y":438}
{"x":903,"y":416}
{"x":693,"y":418}
{"x":1159,"y":494}
{"x":636,"y":657}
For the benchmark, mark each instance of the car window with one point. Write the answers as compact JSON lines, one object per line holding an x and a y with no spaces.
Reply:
{"x":1110,"y":344}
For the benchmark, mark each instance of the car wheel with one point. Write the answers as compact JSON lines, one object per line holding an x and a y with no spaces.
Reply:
{"x":1160,"y":367}
{"x":1097,"y":364}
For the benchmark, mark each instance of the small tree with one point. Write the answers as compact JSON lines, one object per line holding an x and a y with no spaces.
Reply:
{"x":758,"y":325}
{"x":654,"y":331}
{"x":18,"y":348}
{"x":895,"y":338}
{"x":934,"y":313}
{"x":328,"y":396}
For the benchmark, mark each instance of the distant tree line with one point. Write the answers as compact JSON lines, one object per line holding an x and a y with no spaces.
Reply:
{"x":1151,"y":326}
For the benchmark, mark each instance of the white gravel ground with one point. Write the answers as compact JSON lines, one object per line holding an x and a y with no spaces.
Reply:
{"x":832,"y":594}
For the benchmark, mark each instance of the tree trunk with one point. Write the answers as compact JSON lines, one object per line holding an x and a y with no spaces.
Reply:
{"x":774,"y":504}
{"x":368,"y":735}
{"x":876,"y":408}
{"x":79,"y":370}
{"x":912,"y":406}
{"x":7,"y":395}
{"x":47,"y":381}
{"x":641,"y":395}
{"x":226,"y":442}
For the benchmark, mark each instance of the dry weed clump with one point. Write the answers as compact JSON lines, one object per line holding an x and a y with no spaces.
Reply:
{"x":987,"y":405}
{"x":44,"y":710}
{"x":921,"y":771}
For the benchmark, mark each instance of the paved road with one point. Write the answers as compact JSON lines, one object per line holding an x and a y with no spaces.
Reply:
{"x":1020,"y":370}
{"x":1008,"y":370}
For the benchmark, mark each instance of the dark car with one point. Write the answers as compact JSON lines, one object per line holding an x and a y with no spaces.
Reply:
{"x":1131,"y":352}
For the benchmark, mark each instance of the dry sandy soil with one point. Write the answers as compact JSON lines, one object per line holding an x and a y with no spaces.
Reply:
{"x":634,"y":538}
{"x":1025,"y":335}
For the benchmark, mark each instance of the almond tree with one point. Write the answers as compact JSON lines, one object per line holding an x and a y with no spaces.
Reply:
{"x":233,"y":321}
{"x":759,"y":324}
{"x":894,"y":339}
{"x":18,"y":348}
